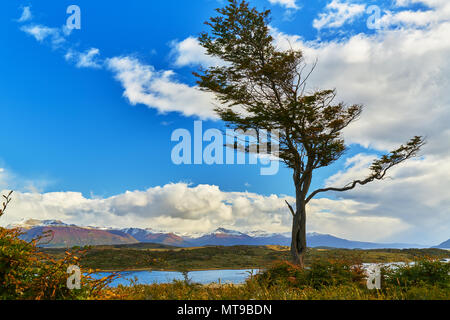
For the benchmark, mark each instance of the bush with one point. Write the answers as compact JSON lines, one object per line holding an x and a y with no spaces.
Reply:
{"x":285,"y":281}
{"x":320,"y":274}
{"x":423,"y":273}
{"x":28,"y":274}
{"x":282,"y":274}
{"x":335,"y":273}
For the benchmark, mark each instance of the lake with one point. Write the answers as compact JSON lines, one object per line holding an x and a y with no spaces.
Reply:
{"x":206,"y":277}
{"x":203,"y":277}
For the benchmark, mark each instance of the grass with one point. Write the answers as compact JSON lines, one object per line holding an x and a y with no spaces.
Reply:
{"x":252,"y":291}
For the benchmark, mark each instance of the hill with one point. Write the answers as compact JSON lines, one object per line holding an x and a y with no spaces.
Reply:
{"x":444,"y":245}
{"x":61,"y":235}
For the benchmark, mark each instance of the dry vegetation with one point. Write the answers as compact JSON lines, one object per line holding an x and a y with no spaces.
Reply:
{"x":29,"y":273}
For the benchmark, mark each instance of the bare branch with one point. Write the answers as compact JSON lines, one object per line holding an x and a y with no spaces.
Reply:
{"x":290,"y":208}
{"x":381,"y":166}
{"x":5,"y":203}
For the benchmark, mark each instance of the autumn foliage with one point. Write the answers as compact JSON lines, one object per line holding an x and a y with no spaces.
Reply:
{"x":26,"y":273}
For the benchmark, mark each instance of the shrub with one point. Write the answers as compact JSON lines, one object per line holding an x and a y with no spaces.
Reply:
{"x":334,"y":273}
{"x":26,"y":273}
{"x":422,"y":273}
{"x":321,"y":273}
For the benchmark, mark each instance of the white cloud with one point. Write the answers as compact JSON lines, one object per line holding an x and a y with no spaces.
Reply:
{"x":143,"y":84}
{"x":87,"y":59}
{"x":174,"y":207}
{"x":355,"y":220}
{"x":438,"y":12}
{"x":189,"y":52}
{"x":356,"y":167}
{"x":26,"y":15}
{"x":415,"y":193}
{"x":288,"y":4}
{"x":185,"y":209}
{"x":42,"y":33}
{"x":337,"y":13}
{"x":429,"y":3}
{"x":402,"y":76}
{"x":158,"y":89}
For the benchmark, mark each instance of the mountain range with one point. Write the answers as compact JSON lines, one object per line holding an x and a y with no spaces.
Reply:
{"x":65,"y":236}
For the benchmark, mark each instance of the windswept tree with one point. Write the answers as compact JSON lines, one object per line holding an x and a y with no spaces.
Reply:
{"x":262,"y":88}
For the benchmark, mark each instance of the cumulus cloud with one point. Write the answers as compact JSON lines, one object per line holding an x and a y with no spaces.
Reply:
{"x":144,"y":84}
{"x":402,"y":77}
{"x":337,"y":13}
{"x":41,"y":33}
{"x":174,"y":207}
{"x":189,"y":52}
{"x":185,"y":209}
{"x":413,"y":193}
{"x":438,"y":12}
{"x":86,"y":59}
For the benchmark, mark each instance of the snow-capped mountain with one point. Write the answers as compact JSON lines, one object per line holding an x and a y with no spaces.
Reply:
{"x":221,"y":237}
{"x":263,"y":234}
{"x":150,"y":236}
{"x":66,"y":235}
{"x":228,"y":232}
{"x":31,"y":223}
{"x":227,"y":237}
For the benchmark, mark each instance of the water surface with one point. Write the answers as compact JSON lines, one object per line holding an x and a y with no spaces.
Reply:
{"x":203,"y":277}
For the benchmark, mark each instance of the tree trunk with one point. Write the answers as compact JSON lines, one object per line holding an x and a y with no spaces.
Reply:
{"x":298,"y":246}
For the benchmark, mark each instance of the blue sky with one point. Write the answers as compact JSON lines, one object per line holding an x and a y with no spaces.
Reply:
{"x":74,"y":128}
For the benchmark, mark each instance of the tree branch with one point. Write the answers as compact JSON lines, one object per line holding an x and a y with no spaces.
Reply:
{"x":290,"y":208}
{"x":381,"y":166}
{"x":5,"y":203}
